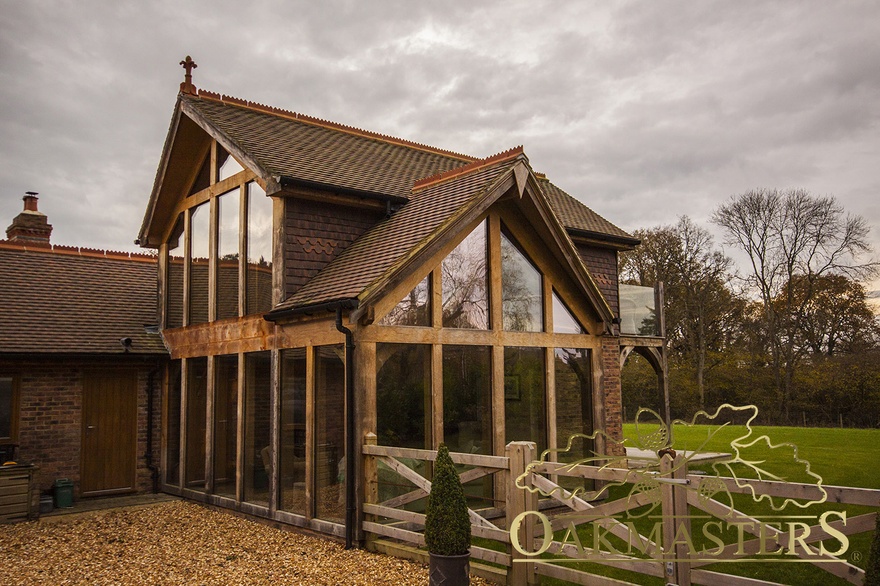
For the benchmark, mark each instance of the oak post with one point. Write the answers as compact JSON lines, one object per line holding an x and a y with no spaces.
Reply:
{"x":371,"y":486}
{"x":520,"y":500}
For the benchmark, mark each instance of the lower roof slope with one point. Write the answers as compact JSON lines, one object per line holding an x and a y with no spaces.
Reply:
{"x":70,"y":301}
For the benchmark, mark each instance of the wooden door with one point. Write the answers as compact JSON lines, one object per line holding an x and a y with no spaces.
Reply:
{"x":109,"y":443}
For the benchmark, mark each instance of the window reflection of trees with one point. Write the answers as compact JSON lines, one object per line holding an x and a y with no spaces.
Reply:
{"x":413,"y":310}
{"x":520,"y":290}
{"x":465,"y":283}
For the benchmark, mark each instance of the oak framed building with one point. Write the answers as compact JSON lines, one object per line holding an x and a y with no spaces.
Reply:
{"x":319,"y":282}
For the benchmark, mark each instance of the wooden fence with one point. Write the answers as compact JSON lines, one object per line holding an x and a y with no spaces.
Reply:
{"x":675,"y":495}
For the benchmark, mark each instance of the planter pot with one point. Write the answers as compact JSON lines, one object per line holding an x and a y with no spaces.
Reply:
{"x":450,"y":570}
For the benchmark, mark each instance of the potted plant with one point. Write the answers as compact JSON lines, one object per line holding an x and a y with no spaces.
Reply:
{"x":447,"y":526}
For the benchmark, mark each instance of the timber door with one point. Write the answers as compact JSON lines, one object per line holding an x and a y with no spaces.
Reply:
{"x":109,"y":415}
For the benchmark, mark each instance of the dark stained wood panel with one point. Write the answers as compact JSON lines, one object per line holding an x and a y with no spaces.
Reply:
{"x":109,"y":437}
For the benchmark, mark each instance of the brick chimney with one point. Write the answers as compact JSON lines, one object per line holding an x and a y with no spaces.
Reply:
{"x":30,"y":226}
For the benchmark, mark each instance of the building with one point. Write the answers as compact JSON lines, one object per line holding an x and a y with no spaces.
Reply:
{"x":318,"y":282}
{"x":80,"y":373}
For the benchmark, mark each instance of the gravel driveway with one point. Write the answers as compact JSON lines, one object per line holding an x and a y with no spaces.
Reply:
{"x":184,"y":543}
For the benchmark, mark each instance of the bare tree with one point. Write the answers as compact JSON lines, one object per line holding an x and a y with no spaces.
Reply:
{"x":788,"y":234}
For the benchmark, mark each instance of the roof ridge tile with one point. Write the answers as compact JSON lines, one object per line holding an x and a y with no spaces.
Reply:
{"x":305,"y":118}
{"x":469,"y":168}
{"x":67,"y":250}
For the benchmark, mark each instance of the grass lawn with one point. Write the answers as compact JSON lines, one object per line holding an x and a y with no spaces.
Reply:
{"x":842,"y":457}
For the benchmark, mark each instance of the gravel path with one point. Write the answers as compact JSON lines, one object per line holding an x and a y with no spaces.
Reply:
{"x":184,"y":543}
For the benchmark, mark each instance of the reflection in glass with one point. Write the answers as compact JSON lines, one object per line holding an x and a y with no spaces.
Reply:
{"x":563,"y":321}
{"x":413,"y":310}
{"x":225,"y":423}
{"x":228,"y":167}
{"x":292,"y":474}
{"x":227,"y":254}
{"x":257,"y":423}
{"x":521,"y":305}
{"x":200,"y":219}
{"x":574,"y":406}
{"x":638,"y":315}
{"x":330,"y":433}
{"x":196,"y":422}
{"x":465,"y":283}
{"x":172,"y":440}
{"x":524,"y":398}
{"x":174,"y":283}
{"x":259,"y":250}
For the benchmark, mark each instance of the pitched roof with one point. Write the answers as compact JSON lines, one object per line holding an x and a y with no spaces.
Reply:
{"x":71,"y":300}
{"x":389,"y":244}
{"x":577,"y":217}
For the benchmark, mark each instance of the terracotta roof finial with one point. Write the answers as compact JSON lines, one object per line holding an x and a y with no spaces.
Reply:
{"x":187,"y":86}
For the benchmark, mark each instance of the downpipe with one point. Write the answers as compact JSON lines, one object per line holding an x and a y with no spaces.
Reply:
{"x":350,"y":454}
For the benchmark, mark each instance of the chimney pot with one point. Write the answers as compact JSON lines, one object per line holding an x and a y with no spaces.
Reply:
{"x":30,"y":201}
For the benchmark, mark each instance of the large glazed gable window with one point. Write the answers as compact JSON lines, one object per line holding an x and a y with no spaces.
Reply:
{"x":228,"y":167}
{"x":259,"y":250}
{"x":227,"y":254}
{"x":563,"y":321}
{"x":465,"y":283}
{"x":200,"y":225}
{"x":413,"y":310}
{"x":521,"y":305}
{"x":174,"y":282}
{"x":8,"y":409}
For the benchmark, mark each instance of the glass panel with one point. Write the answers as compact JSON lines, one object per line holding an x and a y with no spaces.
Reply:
{"x":292,"y":476}
{"x":257,"y":424}
{"x":196,"y":422}
{"x":637,"y":312}
{"x":563,"y":321}
{"x":225,"y":423}
{"x":574,"y":406}
{"x":172,"y":455}
{"x":521,"y":305}
{"x":465,"y":283}
{"x":228,"y":167}
{"x":5,"y":408}
{"x":259,"y":254}
{"x":227,"y":254}
{"x":524,"y":398}
{"x":200,"y":220}
{"x":413,"y":310}
{"x":330,"y":433}
{"x":174,"y":283}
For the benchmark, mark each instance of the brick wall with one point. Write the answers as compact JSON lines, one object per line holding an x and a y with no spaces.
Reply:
{"x":50,"y":415}
{"x":612,"y":396}
{"x":602,"y":264}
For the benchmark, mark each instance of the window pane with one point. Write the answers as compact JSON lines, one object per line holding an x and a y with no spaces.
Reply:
{"x":225,"y":423}
{"x":465,"y":283}
{"x":330,"y":433}
{"x":198,"y":280}
{"x":174,"y":284}
{"x":413,"y":310}
{"x":524,"y":398}
{"x":228,"y":167}
{"x":563,"y":321}
{"x":6,"y":407}
{"x":403,"y":395}
{"x":259,"y":255}
{"x":292,"y":476}
{"x":257,"y":423}
{"x":574,"y":407}
{"x":520,"y":291}
{"x":227,"y":253}
{"x":172,"y":456}
{"x":467,"y":399}
{"x":196,"y":421}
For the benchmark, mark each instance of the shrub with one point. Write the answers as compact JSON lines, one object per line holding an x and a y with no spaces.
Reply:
{"x":447,"y":526}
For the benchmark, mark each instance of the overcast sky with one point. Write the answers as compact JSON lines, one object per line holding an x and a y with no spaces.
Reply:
{"x":643,"y":110}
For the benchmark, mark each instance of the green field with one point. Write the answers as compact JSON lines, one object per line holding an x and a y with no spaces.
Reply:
{"x":841,"y":457}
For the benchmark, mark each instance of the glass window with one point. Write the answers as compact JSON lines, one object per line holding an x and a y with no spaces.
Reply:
{"x":174,"y":281}
{"x":292,"y":476}
{"x":521,"y":305}
{"x":413,"y":310}
{"x":8,"y":409}
{"x":574,"y":406}
{"x":524,"y":397}
{"x":465,"y":283}
{"x":196,"y":421}
{"x":200,"y":221}
{"x":257,"y":424}
{"x":403,"y":395}
{"x":330,"y":433}
{"x":172,"y":455}
{"x":225,"y":424}
{"x":259,"y":250}
{"x":563,"y":321}
{"x":467,"y":399}
{"x":227,"y":254}
{"x":228,"y":166}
